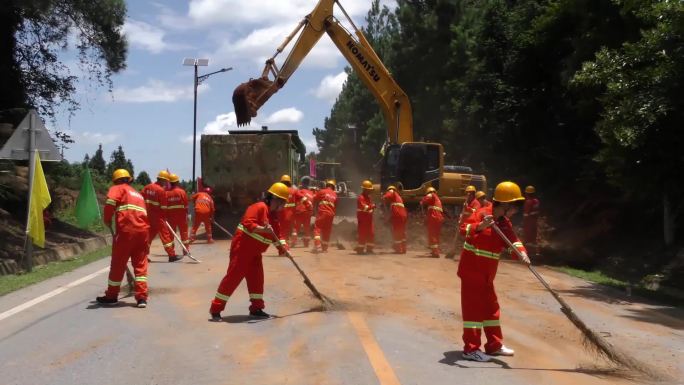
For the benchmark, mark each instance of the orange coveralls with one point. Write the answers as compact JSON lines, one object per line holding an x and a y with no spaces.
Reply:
{"x":398,"y":218}
{"x":433,"y":221}
{"x":469,"y":208}
{"x":325,"y":200}
{"x":155,"y":199}
{"x":364,"y":220}
{"x":477,"y":269}
{"x":177,"y":213}
{"x":130,"y":238}
{"x":303,"y":211}
{"x":246,"y":251}
{"x":286,"y":216}
{"x":204,"y":213}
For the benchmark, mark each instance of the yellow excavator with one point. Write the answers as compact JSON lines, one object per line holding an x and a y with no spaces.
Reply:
{"x":410,"y":166}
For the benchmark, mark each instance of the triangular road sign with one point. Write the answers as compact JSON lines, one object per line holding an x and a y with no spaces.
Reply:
{"x":17,"y":146}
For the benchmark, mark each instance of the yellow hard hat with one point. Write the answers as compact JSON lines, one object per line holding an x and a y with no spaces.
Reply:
{"x":280,"y":190}
{"x":479,"y":194}
{"x":285,"y":178}
{"x":367,"y":185}
{"x":390,"y":187}
{"x":507,"y":192}
{"x":430,"y":190}
{"x":173,"y":178}
{"x":330,"y":182}
{"x":470,"y":188}
{"x":530,"y":189}
{"x":119,"y":174}
{"x":163,"y":174}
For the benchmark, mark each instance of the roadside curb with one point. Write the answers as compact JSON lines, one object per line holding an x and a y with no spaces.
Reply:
{"x":58,"y":253}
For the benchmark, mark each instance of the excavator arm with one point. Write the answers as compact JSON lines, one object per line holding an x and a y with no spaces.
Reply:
{"x":394,"y":103}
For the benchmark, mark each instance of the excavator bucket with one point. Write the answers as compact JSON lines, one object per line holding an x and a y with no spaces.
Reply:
{"x":249,"y":96}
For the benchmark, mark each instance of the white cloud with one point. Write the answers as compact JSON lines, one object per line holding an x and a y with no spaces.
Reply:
{"x":221,"y":125}
{"x":156,"y":91}
{"x":88,"y":137}
{"x":145,"y":36}
{"x":310,"y":144}
{"x":330,"y":87}
{"x":286,"y":115}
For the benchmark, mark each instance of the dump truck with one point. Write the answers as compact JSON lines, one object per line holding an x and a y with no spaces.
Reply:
{"x":240,"y":166}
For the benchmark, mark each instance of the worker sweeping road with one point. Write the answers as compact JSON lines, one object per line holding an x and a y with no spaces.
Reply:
{"x":530,"y":219}
{"x":176,"y":213}
{"x":470,"y":205}
{"x":253,"y":236}
{"x":155,"y":199}
{"x":433,"y":219}
{"x":286,"y":216}
{"x":303,"y":212}
{"x":364,"y":219}
{"x":477,"y":269}
{"x":204,"y":213}
{"x":325,"y":200}
{"x":127,"y":206}
{"x":398,"y":219}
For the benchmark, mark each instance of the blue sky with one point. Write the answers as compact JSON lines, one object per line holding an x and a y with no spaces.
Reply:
{"x":150,"y":112}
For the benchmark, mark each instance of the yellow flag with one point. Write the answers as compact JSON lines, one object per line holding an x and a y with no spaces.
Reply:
{"x":40,"y":199}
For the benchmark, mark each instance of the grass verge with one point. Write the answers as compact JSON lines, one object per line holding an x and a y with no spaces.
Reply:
{"x":10,"y":283}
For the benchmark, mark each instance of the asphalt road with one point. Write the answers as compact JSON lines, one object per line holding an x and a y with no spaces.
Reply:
{"x":396,"y":321}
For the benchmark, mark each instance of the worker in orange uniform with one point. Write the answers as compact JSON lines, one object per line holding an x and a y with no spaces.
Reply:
{"x":286,"y":216}
{"x":257,"y":230}
{"x":530,"y":219}
{"x":477,"y":269}
{"x":398,"y":218}
{"x":303,"y":212}
{"x":482,"y":198}
{"x":155,"y":198}
{"x":364,"y":219}
{"x":433,"y":219}
{"x":325,"y":200}
{"x":127,"y":206}
{"x":470,"y":205}
{"x":176,"y":213}
{"x":204,"y":213}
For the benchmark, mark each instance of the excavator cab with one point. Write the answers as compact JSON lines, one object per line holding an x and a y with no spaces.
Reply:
{"x":412,"y":165}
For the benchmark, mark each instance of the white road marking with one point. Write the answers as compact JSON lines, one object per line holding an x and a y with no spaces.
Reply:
{"x":51,"y":294}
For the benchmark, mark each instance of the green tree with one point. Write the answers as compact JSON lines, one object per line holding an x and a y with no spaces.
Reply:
{"x":32,"y":34}
{"x":143,"y":178}
{"x":642,"y":109}
{"x":118,"y":160}
{"x":97,"y":162}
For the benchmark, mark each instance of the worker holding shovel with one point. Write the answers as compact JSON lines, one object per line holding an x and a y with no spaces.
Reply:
{"x":256,"y":231}
{"x":477,"y":269}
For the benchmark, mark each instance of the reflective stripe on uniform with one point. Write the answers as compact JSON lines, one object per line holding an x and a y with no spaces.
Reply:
{"x":434,"y":246}
{"x":254,"y":235}
{"x":289,"y":205}
{"x":113,"y":283}
{"x":326,"y":203}
{"x":468,"y":226}
{"x":141,"y":278}
{"x":317,"y":237}
{"x":151,"y":202}
{"x":256,"y":296}
{"x":170,"y":244}
{"x":110,"y":202}
{"x":397,"y":204}
{"x":471,"y":325}
{"x":435,"y":208}
{"x":517,"y":245}
{"x":221,"y":296}
{"x":131,"y":207}
{"x":175,"y":207}
{"x":491,"y":322}
{"x":480,"y":252}
{"x":282,"y":242}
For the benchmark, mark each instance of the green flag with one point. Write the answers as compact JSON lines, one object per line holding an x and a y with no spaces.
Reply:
{"x":87,"y":209}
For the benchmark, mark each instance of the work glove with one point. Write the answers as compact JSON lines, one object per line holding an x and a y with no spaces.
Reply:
{"x":486,"y":222}
{"x":524,"y":258}
{"x":266,"y":229}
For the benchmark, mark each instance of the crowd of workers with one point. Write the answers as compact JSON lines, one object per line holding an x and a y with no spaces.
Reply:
{"x":285,"y":210}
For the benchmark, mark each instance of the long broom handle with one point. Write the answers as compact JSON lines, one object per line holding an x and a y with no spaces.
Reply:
{"x":307,"y":281}
{"x":222,"y":228}
{"x":532,"y":269}
{"x":168,"y":226}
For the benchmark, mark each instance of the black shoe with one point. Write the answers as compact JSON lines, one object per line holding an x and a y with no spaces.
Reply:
{"x":149,"y":260}
{"x":175,"y":258}
{"x":259,"y":313}
{"x":106,"y":300}
{"x":216,"y":317}
{"x":142,"y":303}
